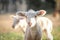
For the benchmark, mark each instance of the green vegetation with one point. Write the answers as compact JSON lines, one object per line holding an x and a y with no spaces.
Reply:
{"x":20,"y":36}
{"x":11,"y":36}
{"x":56,"y":33}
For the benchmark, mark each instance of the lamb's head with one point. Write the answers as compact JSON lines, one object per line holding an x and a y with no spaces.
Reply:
{"x":32,"y":15}
{"x":17,"y":19}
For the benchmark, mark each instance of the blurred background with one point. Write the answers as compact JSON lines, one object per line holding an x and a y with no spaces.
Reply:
{"x":10,"y":7}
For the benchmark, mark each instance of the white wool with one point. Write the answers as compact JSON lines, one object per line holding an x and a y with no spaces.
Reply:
{"x":45,"y":25}
{"x":23,"y":24}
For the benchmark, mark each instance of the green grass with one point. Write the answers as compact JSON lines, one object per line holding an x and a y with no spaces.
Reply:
{"x":56,"y":33}
{"x":20,"y":36}
{"x":11,"y":36}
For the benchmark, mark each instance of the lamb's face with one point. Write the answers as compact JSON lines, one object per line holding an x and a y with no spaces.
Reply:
{"x":31,"y":19}
{"x":17,"y":20}
{"x":32,"y":15}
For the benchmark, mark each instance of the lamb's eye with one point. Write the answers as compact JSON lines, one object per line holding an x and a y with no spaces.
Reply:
{"x":21,"y":18}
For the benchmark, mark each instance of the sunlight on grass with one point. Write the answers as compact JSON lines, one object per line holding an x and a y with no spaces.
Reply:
{"x":56,"y":33}
{"x":20,"y":36}
{"x":11,"y":36}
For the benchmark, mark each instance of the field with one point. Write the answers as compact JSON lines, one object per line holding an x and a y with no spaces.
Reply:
{"x":8,"y":33}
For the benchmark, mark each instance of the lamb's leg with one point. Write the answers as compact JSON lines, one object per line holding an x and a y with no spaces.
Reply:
{"x":38,"y":37}
{"x":27,"y":35}
{"x":49,"y":35}
{"x":39,"y":32}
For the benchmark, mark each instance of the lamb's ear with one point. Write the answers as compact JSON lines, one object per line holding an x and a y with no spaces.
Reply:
{"x":41,"y":13}
{"x":20,"y":14}
{"x":12,"y":16}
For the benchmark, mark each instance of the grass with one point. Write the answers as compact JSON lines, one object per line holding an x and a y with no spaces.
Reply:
{"x":11,"y":36}
{"x":20,"y":36}
{"x":56,"y":33}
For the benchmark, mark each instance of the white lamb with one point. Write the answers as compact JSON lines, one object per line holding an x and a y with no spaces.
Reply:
{"x":19,"y":21}
{"x":45,"y":23}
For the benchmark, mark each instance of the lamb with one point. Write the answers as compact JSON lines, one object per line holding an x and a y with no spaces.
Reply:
{"x":19,"y":21}
{"x":33,"y":30}
{"x":44,"y":23}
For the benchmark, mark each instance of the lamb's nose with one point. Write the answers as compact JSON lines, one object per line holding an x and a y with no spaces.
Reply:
{"x":13,"y":26}
{"x":29,"y":23}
